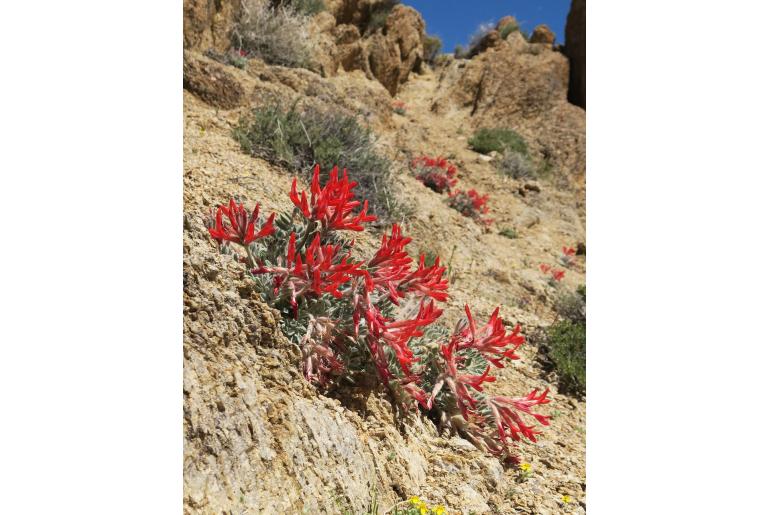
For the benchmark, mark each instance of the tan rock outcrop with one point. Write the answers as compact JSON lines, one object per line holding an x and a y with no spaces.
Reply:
{"x":575,"y":48}
{"x":211,"y":81}
{"x":542,"y":34}
{"x":209,"y":23}
{"x":524,"y":87}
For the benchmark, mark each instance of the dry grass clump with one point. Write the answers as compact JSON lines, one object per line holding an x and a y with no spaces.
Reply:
{"x":278,"y":35}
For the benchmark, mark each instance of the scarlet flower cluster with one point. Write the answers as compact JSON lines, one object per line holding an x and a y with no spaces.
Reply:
{"x":436,"y":173}
{"x":241,"y":226}
{"x":332,"y":206}
{"x":399,"y":107}
{"x":471,"y":204}
{"x":567,"y":256}
{"x":555,"y":274}
{"x":334,"y":307}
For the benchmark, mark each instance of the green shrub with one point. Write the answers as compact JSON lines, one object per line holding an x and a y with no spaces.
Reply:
{"x":509,"y":232}
{"x":431,"y":46}
{"x":278,"y":35}
{"x":567,"y":349}
{"x":486,"y":140}
{"x":566,"y":342}
{"x":299,"y":139}
{"x":506,"y":30}
{"x":460,"y":52}
{"x":515,"y":165}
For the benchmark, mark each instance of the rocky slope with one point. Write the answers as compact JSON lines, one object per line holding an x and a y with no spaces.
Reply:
{"x":258,"y":438}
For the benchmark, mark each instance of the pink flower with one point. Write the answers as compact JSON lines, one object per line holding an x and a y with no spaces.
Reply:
{"x":505,"y":411}
{"x":492,"y":340}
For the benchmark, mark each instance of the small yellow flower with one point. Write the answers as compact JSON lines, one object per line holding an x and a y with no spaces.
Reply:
{"x":526,"y":467}
{"x":566,"y":499}
{"x":439,"y":510}
{"x":423,"y":510}
{"x":414,"y":500}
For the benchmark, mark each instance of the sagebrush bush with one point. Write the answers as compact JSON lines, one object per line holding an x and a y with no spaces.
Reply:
{"x":300,"y":139}
{"x":485,"y":140}
{"x":378,"y":317}
{"x":278,"y":35}
{"x":515,"y":165}
{"x":431,"y":46}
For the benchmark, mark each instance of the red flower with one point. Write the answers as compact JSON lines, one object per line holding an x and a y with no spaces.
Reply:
{"x":470,"y":204}
{"x":491,"y":341}
{"x":509,"y":422}
{"x":426,"y":281}
{"x":333,"y":205}
{"x":437,"y":174}
{"x":545,"y":268}
{"x":557,"y":275}
{"x":458,"y":382}
{"x":322,"y":271}
{"x":569,"y":252}
{"x":241,"y":227}
{"x":390,"y":271}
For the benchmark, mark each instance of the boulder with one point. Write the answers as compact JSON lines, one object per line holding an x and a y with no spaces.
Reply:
{"x":542,"y":34}
{"x":505,"y":20}
{"x":211,"y":82}
{"x":390,"y":55}
{"x":575,"y":49}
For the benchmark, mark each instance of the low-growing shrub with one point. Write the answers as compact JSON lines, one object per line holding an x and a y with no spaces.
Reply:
{"x":301,"y":138}
{"x":377,"y":317}
{"x":509,"y":232}
{"x":278,"y":35}
{"x":460,"y":52}
{"x":486,"y":140}
{"x":437,"y":173}
{"x":564,"y":342}
{"x":567,"y":349}
{"x":471,"y":204}
{"x":431,"y":46}
{"x":515,"y":165}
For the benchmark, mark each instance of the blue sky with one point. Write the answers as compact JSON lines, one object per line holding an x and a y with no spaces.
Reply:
{"x":455,"y":20}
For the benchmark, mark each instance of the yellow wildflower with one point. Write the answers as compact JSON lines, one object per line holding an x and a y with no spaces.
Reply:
{"x":439,"y":510}
{"x":566,"y":499}
{"x":414,"y":500}
{"x":526,"y":467}
{"x":423,"y":510}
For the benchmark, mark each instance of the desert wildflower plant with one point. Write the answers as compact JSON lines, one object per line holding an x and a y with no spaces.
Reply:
{"x":471,"y":204}
{"x":399,"y":107}
{"x":376,"y":316}
{"x":436,"y":173}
